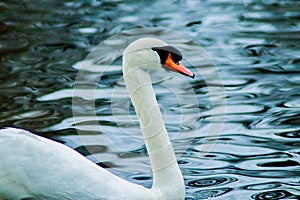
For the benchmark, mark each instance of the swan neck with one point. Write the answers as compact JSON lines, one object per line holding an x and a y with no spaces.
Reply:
{"x":162,"y":157}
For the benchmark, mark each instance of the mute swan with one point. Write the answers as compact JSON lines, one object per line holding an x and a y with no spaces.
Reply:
{"x":38,"y":168}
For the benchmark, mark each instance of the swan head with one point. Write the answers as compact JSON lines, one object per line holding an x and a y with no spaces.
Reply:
{"x":154,"y":54}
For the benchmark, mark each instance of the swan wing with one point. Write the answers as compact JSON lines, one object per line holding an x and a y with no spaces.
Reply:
{"x":33,"y":166}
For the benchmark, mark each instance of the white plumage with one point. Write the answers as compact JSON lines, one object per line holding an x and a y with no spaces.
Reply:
{"x":35,"y":167}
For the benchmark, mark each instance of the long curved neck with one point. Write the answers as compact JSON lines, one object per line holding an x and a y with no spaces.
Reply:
{"x":165,"y":169}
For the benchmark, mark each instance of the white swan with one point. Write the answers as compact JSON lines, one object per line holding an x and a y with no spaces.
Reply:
{"x":38,"y":168}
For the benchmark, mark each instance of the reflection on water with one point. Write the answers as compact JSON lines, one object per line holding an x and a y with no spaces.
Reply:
{"x":253,"y":43}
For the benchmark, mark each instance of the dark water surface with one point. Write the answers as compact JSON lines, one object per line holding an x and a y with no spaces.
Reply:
{"x":254,"y":44}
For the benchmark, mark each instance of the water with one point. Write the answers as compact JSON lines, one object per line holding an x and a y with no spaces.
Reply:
{"x":254,"y":45}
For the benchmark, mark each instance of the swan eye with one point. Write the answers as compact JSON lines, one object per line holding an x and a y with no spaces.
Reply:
{"x":164,"y":52}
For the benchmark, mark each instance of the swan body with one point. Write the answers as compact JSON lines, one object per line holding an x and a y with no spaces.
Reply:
{"x":35,"y":167}
{"x":38,"y":168}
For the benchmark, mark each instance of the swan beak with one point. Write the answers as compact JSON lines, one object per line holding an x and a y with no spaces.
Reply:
{"x":178,"y":67}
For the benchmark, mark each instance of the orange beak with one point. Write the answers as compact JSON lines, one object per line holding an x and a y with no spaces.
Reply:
{"x":178,"y":67}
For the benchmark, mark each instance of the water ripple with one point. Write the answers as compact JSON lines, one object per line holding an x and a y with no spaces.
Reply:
{"x":275,"y":194}
{"x":268,"y":185}
{"x":208,"y":193}
{"x":211,"y":182}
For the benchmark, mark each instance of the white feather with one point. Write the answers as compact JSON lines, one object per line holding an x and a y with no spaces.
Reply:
{"x":35,"y":167}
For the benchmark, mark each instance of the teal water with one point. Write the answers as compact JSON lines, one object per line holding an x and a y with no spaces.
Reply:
{"x":254,"y":45}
